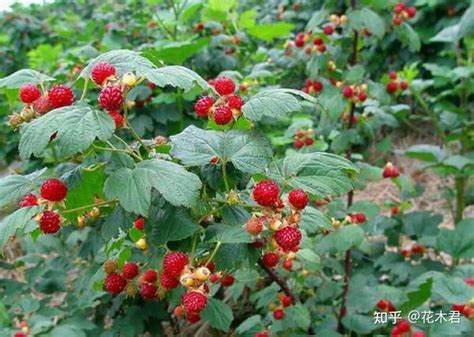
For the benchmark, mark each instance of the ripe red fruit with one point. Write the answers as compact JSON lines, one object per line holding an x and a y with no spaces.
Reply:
{"x":266,"y":192}
{"x":391,"y":87}
{"x":298,"y":143}
{"x":139,"y":223}
{"x":322,"y":48}
{"x":20,"y":334}
{"x":194,"y":301}
{"x":213,"y":278}
{"x":418,"y":249}
{"x":469,"y":281}
{"x":222,"y":115}
{"x":148,"y":291}
{"x":130,"y":270}
{"x":385,"y":305}
{"x":53,"y":190}
{"x":411,"y":11}
{"x":278,"y":314}
{"x":270,"y":259}
{"x":288,"y":264}
{"x":392,"y":75}
{"x":397,"y":20}
{"x":347,"y":92}
{"x":29,"y":200}
{"x":299,"y":42}
{"x":403,"y":326}
{"x":317,"y":86}
{"x":102,"y":71}
{"x":254,"y":226}
{"x":288,"y":237}
{"x":174,"y":263}
{"x":111,"y":98}
{"x":119,"y":120}
{"x":203,"y":105}
{"x":227,"y":280}
{"x":418,"y":334}
{"x":285,"y":300}
{"x":403,"y":85}
{"x":358,"y":218}
{"x":318,"y":41}
{"x":193,"y":317}
{"x":394,"y":210}
{"x":298,"y":198}
{"x":29,"y":93}
{"x":224,"y":85}
{"x":328,"y":30}
{"x":235,"y":102}
{"x":114,"y":283}
{"x":398,"y":8}
{"x":49,"y":222}
{"x":168,"y":282}
{"x":390,"y":171}
{"x":258,"y":243}
{"x":60,"y":96}
{"x":362,"y":96}
{"x":41,"y":105}
{"x":262,"y":334}
{"x":150,"y":276}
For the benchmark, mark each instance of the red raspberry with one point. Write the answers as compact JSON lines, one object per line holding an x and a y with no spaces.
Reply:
{"x":317,"y":86}
{"x":298,"y":198}
{"x":150,"y":276}
{"x":403,"y":326}
{"x":362,"y":96}
{"x":49,"y":222}
{"x":203,"y":105}
{"x":322,"y":48}
{"x":224,"y":85}
{"x":278,"y":314}
{"x":102,"y":71}
{"x":418,"y":249}
{"x":29,"y":200}
{"x":60,"y":96}
{"x":405,"y":253}
{"x":347,"y":92}
{"x":411,"y":12}
{"x":29,"y":93}
{"x":266,"y":192}
{"x":385,"y":305}
{"x":53,"y":190}
{"x":193,"y":317}
{"x":270,"y":259}
{"x":397,"y":20}
{"x":213,"y":278}
{"x":139,"y":223}
{"x":194,"y":301}
{"x":358,"y":218}
{"x":262,"y":334}
{"x":469,"y":281}
{"x":418,"y":334}
{"x":318,"y":41}
{"x":391,"y":87}
{"x":41,"y":105}
{"x":288,"y":237}
{"x":222,"y":115}
{"x":403,"y":85}
{"x":168,"y":282}
{"x":148,"y":291}
{"x":179,"y":311}
{"x":392,"y":75}
{"x":174,"y":263}
{"x":130,"y":270}
{"x":114,"y":283}
{"x":20,"y":334}
{"x":288,"y":264}
{"x":298,"y":143}
{"x":328,"y":30}
{"x":227,"y":280}
{"x":235,"y":102}
{"x":308,"y":141}
{"x":398,"y":8}
{"x":299,"y":42}
{"x":254,"y":226}
{"x":111,"y":98}
{"x":285,"y":300}
{"x":390,"y":171}
{"x":258,"y":243}
{"x":118,"y":119}
{"x":151,"y":85}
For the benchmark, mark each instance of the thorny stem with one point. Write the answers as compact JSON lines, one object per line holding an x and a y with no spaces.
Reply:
{"x":77,"y":209}
{"x":350,"y":195}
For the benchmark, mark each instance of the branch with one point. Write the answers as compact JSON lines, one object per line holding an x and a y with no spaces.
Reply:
{"x":281,"y":282}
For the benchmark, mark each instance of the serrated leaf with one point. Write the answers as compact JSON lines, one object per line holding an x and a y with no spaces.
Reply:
{"x":342,"y":239}
{"x":249,"y":323}
{"x":269,"y":31}
{"x":230,"y":234}
{"x":248,"y":152}
{"x":170,"y":224}
{"x":176,"y":76}
{"x":417,"y":296}
{"x":426,"y":152}
{"x":16,"y":221}
{"x":457,"y":242}
{"x":359,"y":323}
{"x":217,"y":314}
{"x":76,"y":127}
{"x":318,"y":173}
{"x":313,"y":220}
{"x":176,"y":52}
{"x":20,"y":77}
{"x":275,"y":103}
{"x":14,"y":187}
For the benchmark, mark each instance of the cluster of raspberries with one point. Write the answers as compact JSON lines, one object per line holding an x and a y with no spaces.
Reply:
{"x":285,"y":235}
{"x":224,"y":109}
{"x":395,"y":84}
{"x":52,"y":191}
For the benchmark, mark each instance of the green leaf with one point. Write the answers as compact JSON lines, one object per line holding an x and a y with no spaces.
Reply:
{"x":420,"y":293}
{"x":248,"y":152}
{"x":345,"y":238}
{"x":426,"y":152}
{"x":133,"y":187}
{"x":247,"y":19}
{"x":17,"y":220}
{"x":76,"y":127}
{"x":333,"y":102}
{"x":313,"y":220}
{"x":452,"y":289}
{"x":170,"y":224}
{"x":449,"y":35}
{"x":410,"y":37}
{"x":457,"y":242}
{"x":249,"y":323}
{"x":217,"y":314}
{"x":355,"y":73}
{"x":14,"y":187}
{"x":20,"y":77}
{"x":176,"y":76}
{"x":269,"y":31}
{"x":422,"y":225}
{"x":177,"y":52}
{"x":230,"y":234}
{"x":466,"y":25}
{"x":373,"y":22}
{"x":275,"y":103}
{"x":359,"y":324}
{"x":318,"y":173}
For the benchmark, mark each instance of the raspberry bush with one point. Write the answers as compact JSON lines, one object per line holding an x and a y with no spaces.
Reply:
{"x":200,"y":169}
